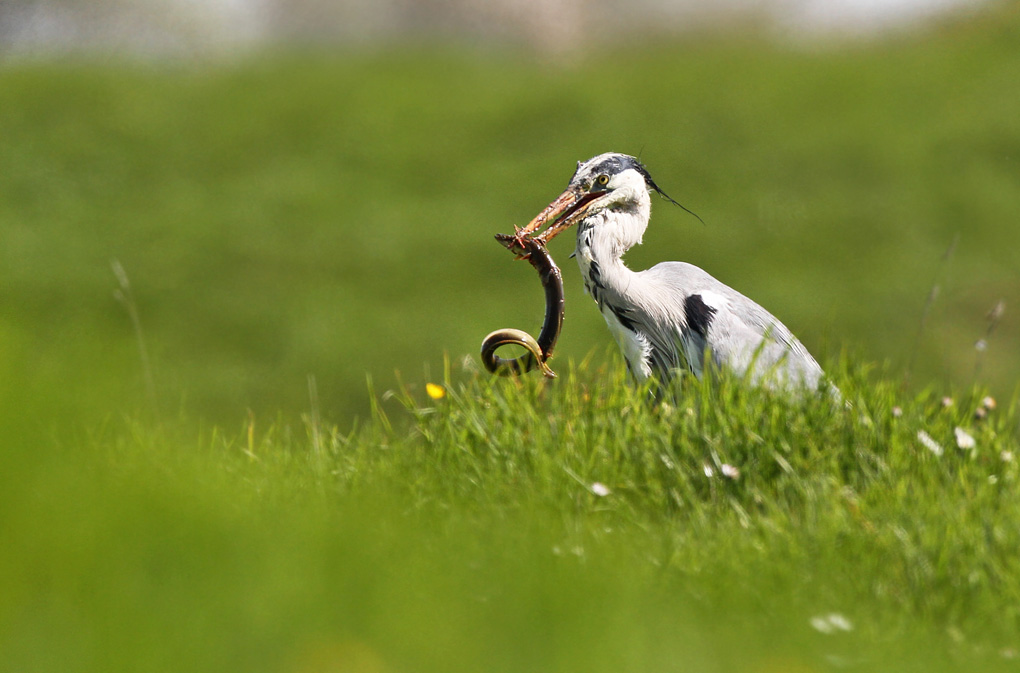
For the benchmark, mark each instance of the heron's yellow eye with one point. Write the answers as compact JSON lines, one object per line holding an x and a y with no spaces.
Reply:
{"x":603,"y":179}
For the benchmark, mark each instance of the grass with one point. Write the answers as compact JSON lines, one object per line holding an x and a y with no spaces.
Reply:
{"x":522,"y":525}
{"x":192,"y":474}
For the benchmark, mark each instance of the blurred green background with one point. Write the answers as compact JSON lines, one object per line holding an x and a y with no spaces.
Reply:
{"x":330,"y":213}
{"x":280,"y":214}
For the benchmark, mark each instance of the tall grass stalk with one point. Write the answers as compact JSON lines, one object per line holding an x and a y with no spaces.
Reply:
{"x":929,"y":302}
{"x":126,"y":297}
{"x":992,"y":318}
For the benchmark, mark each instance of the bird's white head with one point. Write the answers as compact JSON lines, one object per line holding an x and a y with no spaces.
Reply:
{"x":610,"y":190}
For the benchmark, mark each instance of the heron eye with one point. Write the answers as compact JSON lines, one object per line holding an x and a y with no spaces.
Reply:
{"x":603,"y":179}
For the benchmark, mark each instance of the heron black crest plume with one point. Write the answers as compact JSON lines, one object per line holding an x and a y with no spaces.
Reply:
{"x":677,"y":203}
{"x":640,"y":167}
{"x":654,"y":187}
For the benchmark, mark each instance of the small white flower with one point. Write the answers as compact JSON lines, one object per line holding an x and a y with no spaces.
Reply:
{"x":947,"y":402}
{"x":831,"y":623}
{"x":929,"y":442}
{"x":821,"y":624}
{"x":897,"y":412}
{"x":1006,"y":456}
{"x":600,"y":489}
{"x":709,"y":472}
{"x":988,"y":402}
{"x":980,"y":345}
{"x":469,"y":364}
{"x":964,"y":440}
{"x":840,"y":622}
{"x":729,"y":471}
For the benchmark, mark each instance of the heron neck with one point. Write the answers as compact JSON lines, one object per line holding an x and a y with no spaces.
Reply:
{"x":601,"y":243}
{"x":609,"y":234}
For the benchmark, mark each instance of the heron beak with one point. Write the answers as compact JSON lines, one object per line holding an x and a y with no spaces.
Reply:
{"x":568,"y":208}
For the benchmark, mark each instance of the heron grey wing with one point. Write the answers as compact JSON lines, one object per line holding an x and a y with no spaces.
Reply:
{"x":651,"y":308}
{"x":732,"y":328}
{"x":658,"y":342}
{"x":745,"y":335}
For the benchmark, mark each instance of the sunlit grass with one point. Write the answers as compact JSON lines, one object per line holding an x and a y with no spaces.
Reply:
{"x":523,"y":525}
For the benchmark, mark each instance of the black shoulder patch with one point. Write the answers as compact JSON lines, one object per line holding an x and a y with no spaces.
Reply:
{"x":699,"y":314}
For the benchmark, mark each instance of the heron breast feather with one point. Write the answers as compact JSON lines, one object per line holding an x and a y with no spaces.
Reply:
{"x":634,"y":345}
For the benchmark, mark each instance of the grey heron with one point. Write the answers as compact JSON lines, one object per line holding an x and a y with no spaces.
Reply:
{"x":673,"y":316}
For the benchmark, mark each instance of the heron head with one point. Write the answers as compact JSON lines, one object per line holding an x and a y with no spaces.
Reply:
{"x":608,"y":181}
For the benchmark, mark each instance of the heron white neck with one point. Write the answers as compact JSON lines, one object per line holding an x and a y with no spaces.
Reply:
{"x":603,"y":239}
{"x":608,"y":234}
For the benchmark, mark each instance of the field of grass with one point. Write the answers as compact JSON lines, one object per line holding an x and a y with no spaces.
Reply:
{"x":520,"y":526}
{"x":291,"y":226}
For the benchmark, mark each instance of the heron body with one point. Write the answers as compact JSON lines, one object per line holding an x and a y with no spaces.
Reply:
{"x":674,"y":316}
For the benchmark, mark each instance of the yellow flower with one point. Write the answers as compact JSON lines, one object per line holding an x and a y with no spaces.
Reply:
{"x":435,"y":391}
